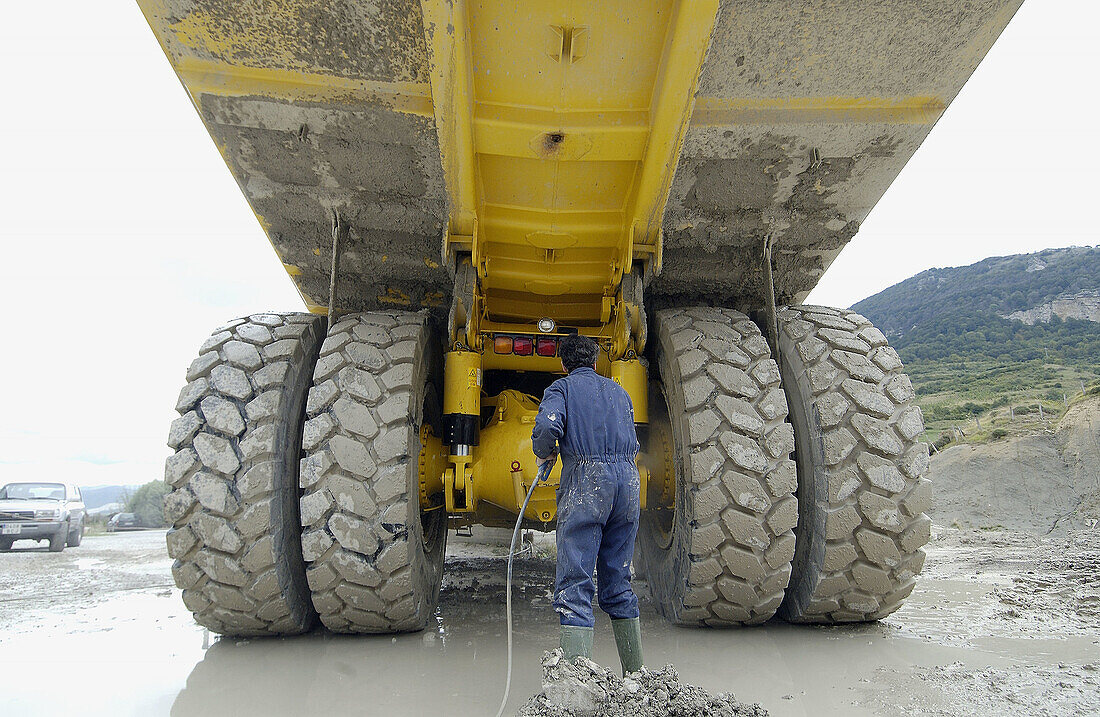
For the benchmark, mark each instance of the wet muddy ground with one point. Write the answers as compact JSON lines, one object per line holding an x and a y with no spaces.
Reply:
{"x":1000,"y":624}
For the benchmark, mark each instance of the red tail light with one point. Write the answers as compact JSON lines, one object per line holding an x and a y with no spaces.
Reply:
{"x":546,"y":347}
{"x":522,"y":346}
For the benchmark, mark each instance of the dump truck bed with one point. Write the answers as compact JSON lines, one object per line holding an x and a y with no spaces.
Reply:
{"x":803,"y":115}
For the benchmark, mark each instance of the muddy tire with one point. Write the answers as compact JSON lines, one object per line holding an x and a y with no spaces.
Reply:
{"x":57,"y":540}
{"x":375,"y":565}
{"x":722,"y":555}
{"x":234,"y":508}
{"x":75,"y":536}
{"x":862,"y":498}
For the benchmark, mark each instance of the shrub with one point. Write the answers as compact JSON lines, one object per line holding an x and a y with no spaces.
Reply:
{"x":147,"y":503}
{"x":999,"y":433}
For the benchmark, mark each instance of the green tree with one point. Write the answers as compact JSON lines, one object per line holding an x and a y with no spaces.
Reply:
{"x":147,"y":503}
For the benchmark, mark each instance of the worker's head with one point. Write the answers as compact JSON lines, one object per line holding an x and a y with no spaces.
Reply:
{"x":577,"y":351}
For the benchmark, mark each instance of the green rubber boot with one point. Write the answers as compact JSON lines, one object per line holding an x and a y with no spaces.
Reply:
{"x":576,"y":641}
{"x":628,"y":640}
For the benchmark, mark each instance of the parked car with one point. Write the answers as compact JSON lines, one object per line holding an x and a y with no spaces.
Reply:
{"x":123,"y":521}
{"x":41,"y":511}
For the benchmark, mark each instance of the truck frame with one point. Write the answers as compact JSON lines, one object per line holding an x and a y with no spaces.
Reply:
{"x":455,"y":185}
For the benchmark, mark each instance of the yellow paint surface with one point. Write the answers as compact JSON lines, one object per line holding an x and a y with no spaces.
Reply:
{"x":559,"y":124}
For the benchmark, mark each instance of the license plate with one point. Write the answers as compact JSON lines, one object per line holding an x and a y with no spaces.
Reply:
{"x":10,"y":529}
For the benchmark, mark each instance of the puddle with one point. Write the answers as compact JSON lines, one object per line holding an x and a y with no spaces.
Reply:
{"x":142,"y":655}
{"x":137,"y":652}
{"x":949,"y":611}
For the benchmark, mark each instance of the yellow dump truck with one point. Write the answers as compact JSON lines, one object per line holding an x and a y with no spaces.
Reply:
{"x":455,"y":185}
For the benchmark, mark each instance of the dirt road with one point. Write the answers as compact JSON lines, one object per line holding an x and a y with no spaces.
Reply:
{"x":1000,"y":624}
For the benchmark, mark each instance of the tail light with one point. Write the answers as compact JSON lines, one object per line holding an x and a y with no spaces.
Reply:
{"x":546,"y":347}
{"x":525,"y":345}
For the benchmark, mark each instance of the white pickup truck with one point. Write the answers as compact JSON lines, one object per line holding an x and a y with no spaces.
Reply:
{"x":41,"y":511}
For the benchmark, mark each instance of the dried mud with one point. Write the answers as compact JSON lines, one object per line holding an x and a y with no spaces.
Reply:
{"x":374,"y":41}
{"x":300,"y":165}
{"x":958,"y":691}
{"x":730,"y":194}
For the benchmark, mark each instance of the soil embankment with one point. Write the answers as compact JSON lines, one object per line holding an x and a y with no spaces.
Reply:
{"x":1043,"y":482}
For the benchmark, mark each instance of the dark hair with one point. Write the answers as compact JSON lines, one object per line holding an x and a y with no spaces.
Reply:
{"x":577,"y":351}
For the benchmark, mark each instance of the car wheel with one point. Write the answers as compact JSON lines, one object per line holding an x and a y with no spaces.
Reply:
{"x":57,"y":541}
{"x":5,"y":544}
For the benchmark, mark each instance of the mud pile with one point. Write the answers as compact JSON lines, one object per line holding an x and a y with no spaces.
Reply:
{"x":585,"y":688}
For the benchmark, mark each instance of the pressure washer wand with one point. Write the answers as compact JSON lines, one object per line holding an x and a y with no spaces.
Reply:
{"x":543,"y":474}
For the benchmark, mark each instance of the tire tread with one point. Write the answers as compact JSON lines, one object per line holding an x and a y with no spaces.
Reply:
{"x":233,"y":507}
{"x":733,"y":540}
{"x":367,"y":568}
{"x":862,"y":491}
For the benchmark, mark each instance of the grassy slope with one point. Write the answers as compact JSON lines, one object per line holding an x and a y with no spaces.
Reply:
{"x":985,"y":396}
{"x":972,"y":368}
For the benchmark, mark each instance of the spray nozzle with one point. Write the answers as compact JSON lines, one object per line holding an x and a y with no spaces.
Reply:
{"x":544,"y":472}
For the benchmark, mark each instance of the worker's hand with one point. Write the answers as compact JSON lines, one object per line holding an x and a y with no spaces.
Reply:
{"x":540,"y":462}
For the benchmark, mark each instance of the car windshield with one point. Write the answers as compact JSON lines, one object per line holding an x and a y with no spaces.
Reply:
{"x":32,"y":491}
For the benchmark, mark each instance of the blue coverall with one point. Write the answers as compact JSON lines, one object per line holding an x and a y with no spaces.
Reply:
{"x":591,"y":418}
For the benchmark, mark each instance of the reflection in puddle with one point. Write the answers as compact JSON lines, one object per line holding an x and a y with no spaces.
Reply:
{"x":455,"y":668}
{"x":139,"y":653}
{"x":458,"y":668}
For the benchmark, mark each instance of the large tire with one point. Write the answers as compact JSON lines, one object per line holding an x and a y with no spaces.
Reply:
{"x":722,"y":555}
{"x":860,"y":492}
{"x":375,"y":564}
{"x":234,"y":511}
{"x":57,"y":540}
{"x":5,"y":544}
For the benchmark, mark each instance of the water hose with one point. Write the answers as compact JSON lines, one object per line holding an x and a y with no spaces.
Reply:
{"x":543,"y":474}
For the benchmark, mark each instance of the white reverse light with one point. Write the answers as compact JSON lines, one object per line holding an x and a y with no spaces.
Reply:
{"x":546,"y":325}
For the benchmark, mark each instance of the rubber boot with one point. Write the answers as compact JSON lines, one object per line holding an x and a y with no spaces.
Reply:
{"x":628,"y":640}
{"x":576,"y":641}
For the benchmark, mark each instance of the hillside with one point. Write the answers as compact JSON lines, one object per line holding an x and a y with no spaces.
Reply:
{"x":999,"y":285}
{"x":101,"y":495}
{"x":987,"y":344}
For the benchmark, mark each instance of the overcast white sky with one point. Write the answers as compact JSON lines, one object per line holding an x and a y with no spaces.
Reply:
{"x":125,"y":240}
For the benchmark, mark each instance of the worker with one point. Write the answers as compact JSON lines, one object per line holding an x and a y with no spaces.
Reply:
{"x":589,"y":419}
